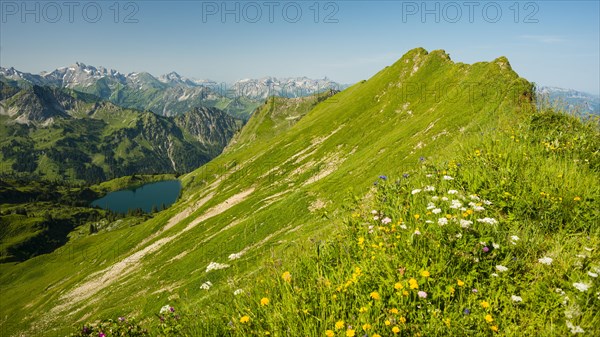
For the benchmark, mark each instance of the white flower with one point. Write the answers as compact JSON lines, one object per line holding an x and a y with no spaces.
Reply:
{"x":490,"y":221}
{"x":435,"y":198}
{"x":545,"y":260}
{"x":581,"y":256}
{"x":465,"y":223}
{"x":238,"y":292}
{"x":386,"y":220}
{"x":516,"y":298}
{"x":430,"y":206}
{"x":514,"y":239}
{"x":495,"y":245}
{"x":216,"y":266}
{"x":588,"y":249}
{"x":487,"y":202}
{"x":403,"y":226}
{"x":455,"y":204}
{"x":559,"y":291}
{"x":474,"y":197}
{"x":447,"y":178}
{"x":206,"y":285}
{"x":459,"y":235}
{"x":428,"y":188}
{"x":442,"y":221}
{"x":452,"y":191}
{"x":235,"y":256}
{"x":478,"y":208}
{"x":376,"y":218}
{"x":574,"y":329}
{"x":592,"y":274}
{"x":436,"y":211}
{"x":428,"y":221}
{"x":429,"y":175}
{"x":165,"y":309}
{"x":581,"y":286}
{"x":415,"y":191}
{"x":374,"y":212}
{"x":501,"y":268}
{"x":494,"y":275}
{"x":417,"y":232}
{"x":445,"y":198}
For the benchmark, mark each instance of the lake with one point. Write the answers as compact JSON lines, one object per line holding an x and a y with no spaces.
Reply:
{"x":145,"y":197}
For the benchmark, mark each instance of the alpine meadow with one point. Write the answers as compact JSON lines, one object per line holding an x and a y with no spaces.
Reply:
{"x":435,"y":198}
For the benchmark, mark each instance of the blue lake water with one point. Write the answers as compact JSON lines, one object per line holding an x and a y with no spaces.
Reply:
{"x":145,"y":197}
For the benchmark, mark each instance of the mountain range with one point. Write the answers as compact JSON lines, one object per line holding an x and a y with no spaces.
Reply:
{"x":170,"y":94}
{"x":570,"y":100}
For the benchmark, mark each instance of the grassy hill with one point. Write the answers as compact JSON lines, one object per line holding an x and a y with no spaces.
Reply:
{"x":284,"y":219}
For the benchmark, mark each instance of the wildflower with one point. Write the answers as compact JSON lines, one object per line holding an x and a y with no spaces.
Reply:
{"x":339,"y":325}
{"x":514,"y":239}
{"x":489,"y":318}
{"x":577,"y":199}
{"x":287,"y":277}
{"x":393,"y":311}
{"x":264,"y":301}
{"x":442,"y":221}
{"x":545,"y":260}
{"x":435,"y":198}
{"x":494,"y":328}
{"x":366,"y":326}
{"x":495,"y":245}
{"x":592,"y":274}
{"x":405,"y":175}
{"x":362,"y":309}
{"x":465,"y":223}
{"x":165,"y":309}
{"x":428,"y":188}
{"x":216,"y":266}
{"x":485,"y":249}
{"x":516,"y":298}
{"x":329,"y":333}
{"x":474,"y":290}
{"x":489,"y":221}
{"x":245,"y":319}
{"x":436,"y":211}
{"x":382,"y":177}
{"x":375,"y":295}
{"x":415,"y":191}
{"x":387,"y":322}
{"x":395,"y":330}
{"x":501,"y":268}
{"x":422,"y":294}
{"x":206,"y":285}
{"x":460,"y":283}
{"x":425,"y":273}
{"x":447,"y":178}
{"x":581,"y":286}
{"x":398,"y":286}
{"x":574,"y":329}
{"x":235,"y":256}
{"x":485,"y":304}
{"x":376,"y":335}
{"x":455,"y":204}
{"x":417,"y":232}
{"x":417,"y":216}
{"x":350,"y":333}
{"x":478,"y":209}
{"x":467,"y":311}
{"x":404,"y":293}
{"x":361,"y":240}
{"x":238,"y":292}
{"x":413,"y":284}
{"x":386,"y":220}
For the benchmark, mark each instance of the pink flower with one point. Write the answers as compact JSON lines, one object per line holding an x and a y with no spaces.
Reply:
{"x":422,"y":294}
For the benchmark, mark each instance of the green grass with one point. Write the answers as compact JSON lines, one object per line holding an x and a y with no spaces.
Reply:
{"x":304,"y":183}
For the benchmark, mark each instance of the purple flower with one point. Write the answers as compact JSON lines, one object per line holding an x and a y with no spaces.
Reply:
{"x":474,"y":291}
{"x":121,"y":319}
{"x":422,"y":159}
{"x":467,"y":311}
{"x":422,"y":294}
{"x":405,"y":175}
{"x":101,"y":334}
{"x":486,"y":249}
{"x":172,"y":309}
{"x":383,"y":177}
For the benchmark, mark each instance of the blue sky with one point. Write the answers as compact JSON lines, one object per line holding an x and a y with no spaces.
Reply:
{"x":553,"y":43}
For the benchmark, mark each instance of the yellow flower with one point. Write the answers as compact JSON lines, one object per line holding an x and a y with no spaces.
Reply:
{"x":362,"y":309}
{"x":339,"y":325}
{"x":350,"y":333}
{"x":287,"y":277}
{"x":413,"y":284}
{"x":452,"y":290}
{"x":376,"y":335}
{"x":402,"y":319}
{"x":405,"y":293}
{"x":329,"y":333}
{"x":375,"y":295}
{"x":448,"y":216}
{"x":264,"y":301}
{"x":417,"y":216}
{"x":245,"y":319}
{"x":425,"y":273}
{"x":485,"y":304}
{"x":387,"y":322}
{"x":366,"y":326}
{"x":267,"y":333}
{"x":393,"y":311}
{"x":361,"y":240}
{"x":489,"y":318}
{"x":305,"y":311}
{"x":494,"y":328}
{"x":577,"y":199}
{"x":398,"y":286}
{"x":447,"y":322}
{"x":460,"y":283}
{"x":395,"y":330}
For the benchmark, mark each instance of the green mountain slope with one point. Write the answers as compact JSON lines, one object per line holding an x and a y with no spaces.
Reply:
{"x":64,"y":134}
{"x":253,"y":210}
